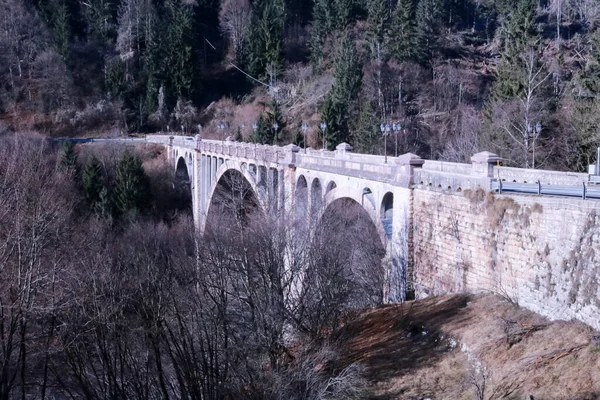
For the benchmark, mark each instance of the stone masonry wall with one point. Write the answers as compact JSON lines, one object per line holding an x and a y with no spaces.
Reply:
{"x":540,"y":252}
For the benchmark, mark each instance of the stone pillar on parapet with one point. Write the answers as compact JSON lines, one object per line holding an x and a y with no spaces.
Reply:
{"x":343,"y":150}
{"x":406,"y":164}
{"x":483,"y":163}
{"x":197,"y":185}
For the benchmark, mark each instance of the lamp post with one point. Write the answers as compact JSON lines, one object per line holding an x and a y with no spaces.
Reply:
{"x":222,"y":128}
{"x":385,"y":131}
{"x":199,"y":128}
{"x":397,"y":127}
{"x":304,"y":129}
{"x":168,"y":129}
{"x":324,"y":129}
{"x":254,"y":128}
{"x":275,"y":126}
{"x":182,"y":130}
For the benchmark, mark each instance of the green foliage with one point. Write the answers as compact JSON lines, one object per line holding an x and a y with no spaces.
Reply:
{"x":402,"y":35}
{"x":343,"y":13}
{"x":92,"y":182}
{"x":178,"y":48}
{"x":61,"y":27}
{"x":68,"y":159}
{"x":264,"y":56}
{"x":378,"y":25}
{"x":590,"y":76}
{"x":131,"y":190}
{"x":347,"y":80}
{"x":368,"y":135}
{"x":429,"y":23}
{"x":518,"y":34}
{"x":100,"y":17}
{"x":321,"y":27}
{"x":238,"y":135}
{"x":265,"y":132}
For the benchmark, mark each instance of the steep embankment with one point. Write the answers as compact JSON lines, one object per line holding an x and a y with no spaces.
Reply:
{"x":471,"y":347}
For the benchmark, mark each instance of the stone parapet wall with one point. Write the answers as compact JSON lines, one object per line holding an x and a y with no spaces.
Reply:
{"x":522,"y":175}
{"x":540,"y":252}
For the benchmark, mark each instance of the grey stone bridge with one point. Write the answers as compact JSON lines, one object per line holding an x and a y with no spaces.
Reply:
{"x":443,"y":228}
{"x":304,"y":182}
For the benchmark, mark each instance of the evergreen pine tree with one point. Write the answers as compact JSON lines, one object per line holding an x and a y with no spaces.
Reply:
{"x":61,"y":27}
{"x":347,"y":80}
{"x":402,"y":35}
{"x":368,"y":135}
{"x":178,"y":49}
{"x":518,"y":34}
{"x":105,"y":205}
{"x":92,"y":182}
{"x":429,"y":20}
{"x":238,"y":135}
{"x":263,"y":132}
{"x":323,"y":17}
{"x":68,"y":158}
{"x":378,"y":25}
{"x":131,"y":191}
{"x":343,"y":13}
{"x":265,"y":41}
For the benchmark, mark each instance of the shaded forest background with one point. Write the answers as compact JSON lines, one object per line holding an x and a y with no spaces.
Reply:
{"x":517,"y":77}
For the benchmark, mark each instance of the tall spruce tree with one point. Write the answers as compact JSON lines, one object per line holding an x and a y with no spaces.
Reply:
{"x":402,"y":34}
{"x":131,"y":188}
{"x":429,"y":23}
{"x":368,"y":135}
{"x":518,"y":33}
{"x":322,"y":25}
{"x":177,"y":46}
{"x":347,"y":80}
{"x":91,"y":182}
{"x":378,"y":25}
{"x":68,"y":159}
{"x":264,"y":55}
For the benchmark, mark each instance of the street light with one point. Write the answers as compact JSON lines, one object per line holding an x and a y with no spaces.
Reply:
{"x":254,"y":128}
{"x":182,"y":131}
{"x":199,"y":128}
{"x":385,"y":131}
{"x":222,"y":128}
{"x":324,"y":129}
{"x":304,"y":129}
{"x":397,"y":127}
{"x":275,"y":126}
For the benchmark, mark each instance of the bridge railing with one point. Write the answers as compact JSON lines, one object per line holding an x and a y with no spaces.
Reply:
{"x":523,"y":175}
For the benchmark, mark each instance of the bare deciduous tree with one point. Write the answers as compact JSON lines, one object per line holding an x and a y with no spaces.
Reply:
{"x":234,"y":19}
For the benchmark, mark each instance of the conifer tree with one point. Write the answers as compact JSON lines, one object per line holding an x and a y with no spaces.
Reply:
{"x":68,"y":158}
{"x":178,"y":49}
{"x":518,"y":35}
{"x":265,"y":40}
{"x":238,"y":135}
{"x":131,"y":190}
{"x":347,"y":80}
{"x":402,"y":35}
{"x":263,"y":132}
{"x":61,"y":27}
{"x":323,"y":17}
{"x":378,"y":25}
{"x":343,"y":13}
{"x":429,"y":19}
{"x":92,"y":182}
{"x":368,"y":135}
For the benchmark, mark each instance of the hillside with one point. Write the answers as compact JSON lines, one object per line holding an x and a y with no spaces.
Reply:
{"x":470,"y":347}
{"x":520,"y":78}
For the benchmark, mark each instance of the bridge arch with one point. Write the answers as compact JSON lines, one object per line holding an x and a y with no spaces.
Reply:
{"x":316,"y":197}
{"x":301,"y":197}
{"x":387,"y":214}
{"x":234,"y":193}
{"x":330,"y":186}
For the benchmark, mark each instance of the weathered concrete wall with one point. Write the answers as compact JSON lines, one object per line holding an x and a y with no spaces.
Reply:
{"x":540,"y":252}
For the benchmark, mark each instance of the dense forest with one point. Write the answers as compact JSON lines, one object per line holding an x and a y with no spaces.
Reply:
{"x":517,"y":77}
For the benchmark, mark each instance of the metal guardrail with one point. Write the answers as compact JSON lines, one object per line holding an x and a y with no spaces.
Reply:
{"x":584,"y":192}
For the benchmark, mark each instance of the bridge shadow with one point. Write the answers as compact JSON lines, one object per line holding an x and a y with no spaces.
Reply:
{"x":393,"y":340}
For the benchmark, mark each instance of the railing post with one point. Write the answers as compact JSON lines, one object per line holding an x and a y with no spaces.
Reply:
{"x":539,"y":187}
{"x":584,"y":192}
{"x":499,"y":186}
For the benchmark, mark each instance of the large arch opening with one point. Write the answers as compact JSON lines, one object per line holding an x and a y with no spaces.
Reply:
{"x":301,"y":198}
{"x":316,"y":199}
{"x":234,"y":203}
{"x":182,"y":184}
{"x":345,"y":269}
{"x":387,"y":214}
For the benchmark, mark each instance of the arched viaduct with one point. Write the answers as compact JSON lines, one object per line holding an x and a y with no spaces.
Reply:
{"x":303,"y":183}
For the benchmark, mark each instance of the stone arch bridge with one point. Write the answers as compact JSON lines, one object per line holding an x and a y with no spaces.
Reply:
{"x":304,"y":182}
